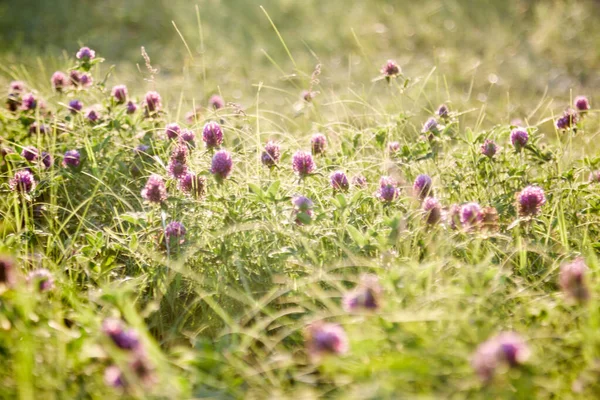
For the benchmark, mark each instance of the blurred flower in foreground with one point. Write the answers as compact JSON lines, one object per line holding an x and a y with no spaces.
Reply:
{"x":42,"y":278}
{"x":114,"y":377}
{"x":433,"y":210}
{"x":155,"y":190}
{"x":339,"y":181}
{"x":8,"y":273}
{"x":271,"y":154}
{"x":323,"y":338}
{"x":22,"y":181}
{"x":303,"y":164}
{"x":318,"y":144}
{"x":222,"y":164}
{"x":302,"y":209}
{"x":126,"y":339}
{"x":530,"y":201}
{"x":366,"y":296}
{"x":595,"y":177}
{"x":387,"y":191}
{"x":423,"y":186}
{"x":505,"y":350}
{"x":572,"y":280}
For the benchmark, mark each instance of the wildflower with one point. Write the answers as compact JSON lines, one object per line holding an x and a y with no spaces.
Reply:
{"x":114,"y":377}
{"x":188,"y":136}
{"x":177,"y":169}
{"x":16,"y":87}
{"x":59,"y":81}
{"x":302,"y":209}
{"x":507,"y":348}
{"x":393,"y":147}
{"x":140,"y":149}
{"x":387,"y":191}
{"x":432,"y":210}
{"x":22,"y":181}
{"x":443,"y":111}
{"x":366,"y":296}
{"x":30,"y":153}
{"x":318,"y":144}
{"x":572,"y":280}
{"x":29,"y":102}
{"x":85,"y":54}
{"x":155,"y":190}
{"x":8,"y":273}
{"x":75,"y":106}
{"x":489,"y":148}
{"x":430,"y":125}
{"x":85,"y":80}
{"x":119,"y":93}
{"x":271,"y":154}
{"x":303,"y":164}
{"x":308,"y":95}
{"x":216,"y":102}
{"x":582,"y":104}
{"x":390,"y":69}
{"x":126,"y":339}
{"x":567,"y":120}
{"x":222,"y":164}
{"x":153,"y":102}
{"x":324,"y":338}
{"x":38,"y":128}
{"x":92,"y":115}
{"x":175,"y":232}
{"x":595,"y":177}
{"x":423,"y":186}
{"x":131,"y":107}
{"x":71,"y":159}
{"x":212,"y":135}
{"x":193,"y":184}
{"x":172,"y":131}
{"x":339,"y":181}
{"x":519,"y":138}
{"x":471,"y":215}
{"x":46,"y":159}
{"x":530,"y":200}
{"x":359,"y":181}
{"x":42,"y":278}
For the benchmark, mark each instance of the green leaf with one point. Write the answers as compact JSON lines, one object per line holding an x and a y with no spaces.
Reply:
{"x":356,"y":235}
{"x":274,"y":188}
{"x":255,"y":189}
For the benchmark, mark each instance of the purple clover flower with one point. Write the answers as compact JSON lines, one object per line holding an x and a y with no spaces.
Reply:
{"x":471,"y":215}
{"x":222,"y":164}
{"x":216,"y":102}
{"x":390,"y":69}
{"x":302,"y":209}
{"x":193,"y":184}
{"x":126,"y":339}
{"x":271,"y":154}
{"x":307,"y":95}
{"x":177,"y":169}
{"x":595,"y":177}
{"x":42,"y":278}
{"x":38,"y":128}
{"x":92,"y":115}
{"x":175,"y":233}
{"x":72,"y":159}
{"x":172,"y":131}
{"x":582,"y":104}
{"x":318,"y":144}
{"x":359,"y":181}
{"x":85,"y":80}
{"x":339,"y":181}
{"x":119,"y":93}
{"x":212,"y":135}
{"x":388,"y":190}
{"x":433,"y":210}
{"x":303,"y":163}
{"x":46,"y":159}
{"x":188,"y":136}
{"x":572,"y":280}
{"x":131,"y":107}
{"x":324,"y":338}
{"x":22,"y":182}
{"x":30,"y":153}
{"x":507,"y":348}
{"x":519,"y":138}
{"x":153,"y":102}
{"x":85,"y":54}
{"x":16,"y":87}
{"x":59,"y":81}
{"x":443,"y":111}
{"x":394,"y":147}
{"x":179,"y":153}
{"x":367,"y":296}
{"x":530,"y":201}
{"x":489,"y":148}
{"x":75,"y":106}
{"x":567,"y":120}
{"x":29,"y":102}
{"x":431,"y":125}
{"x":155,"y":190}
{"x":423,"y":186}
{"x":113,"y":377}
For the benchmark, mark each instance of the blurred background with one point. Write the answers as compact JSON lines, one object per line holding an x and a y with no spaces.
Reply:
{"x":510,"y":52}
